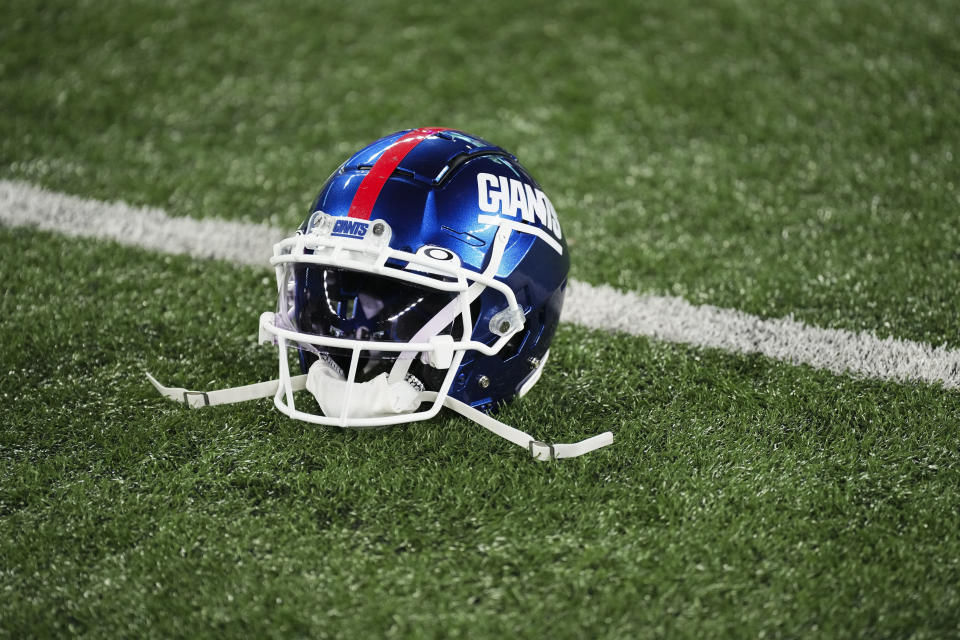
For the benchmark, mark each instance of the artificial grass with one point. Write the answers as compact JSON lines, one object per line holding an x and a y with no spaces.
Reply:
{"x":743,"y":497}
{"x":779,"y":158}
{"x":784,"y":158}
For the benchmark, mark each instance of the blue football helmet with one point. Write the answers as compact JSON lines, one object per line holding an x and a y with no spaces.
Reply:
{"x":430,"y":272}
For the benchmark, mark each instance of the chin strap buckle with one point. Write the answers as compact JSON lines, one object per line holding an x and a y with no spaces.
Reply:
{"x":537,"y":450}
{"x":203,"y":394}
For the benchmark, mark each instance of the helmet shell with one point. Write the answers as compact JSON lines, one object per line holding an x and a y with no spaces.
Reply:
{"x":443,"y":193}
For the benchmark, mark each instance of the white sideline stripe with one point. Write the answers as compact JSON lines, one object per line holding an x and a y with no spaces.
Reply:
{"x":596,"y":307}
{"x":24,"y":205}
{"x":837,"y":350}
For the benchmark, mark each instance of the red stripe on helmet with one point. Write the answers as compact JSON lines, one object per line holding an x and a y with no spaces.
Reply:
{"x":366,"y":196}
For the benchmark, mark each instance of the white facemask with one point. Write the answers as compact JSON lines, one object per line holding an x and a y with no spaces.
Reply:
{"x":371,"y":399}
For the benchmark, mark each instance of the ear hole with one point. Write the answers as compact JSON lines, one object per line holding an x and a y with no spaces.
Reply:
{"x":538,"y":329}
{"x":513,"y":345}
{"x":475,"y":308}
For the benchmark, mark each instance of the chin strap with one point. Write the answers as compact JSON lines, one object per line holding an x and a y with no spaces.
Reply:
{"x":539,"y":450}
{"x":197,"y":399}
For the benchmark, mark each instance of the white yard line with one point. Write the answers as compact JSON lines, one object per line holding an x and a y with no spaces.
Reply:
{"x":596,"y":307}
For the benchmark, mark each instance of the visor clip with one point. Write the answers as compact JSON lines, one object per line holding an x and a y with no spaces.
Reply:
{"x":507,"y":321}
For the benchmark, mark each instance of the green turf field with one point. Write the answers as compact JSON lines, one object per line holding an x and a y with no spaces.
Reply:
{"x":780,"y":158}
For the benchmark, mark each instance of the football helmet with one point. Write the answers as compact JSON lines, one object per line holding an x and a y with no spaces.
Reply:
{"x":429,"y":273}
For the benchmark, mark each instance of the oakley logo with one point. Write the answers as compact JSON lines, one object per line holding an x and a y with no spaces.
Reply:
{"x":350,"y":228}
{"x":436,"y":253}
{"x":510,"y":197}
